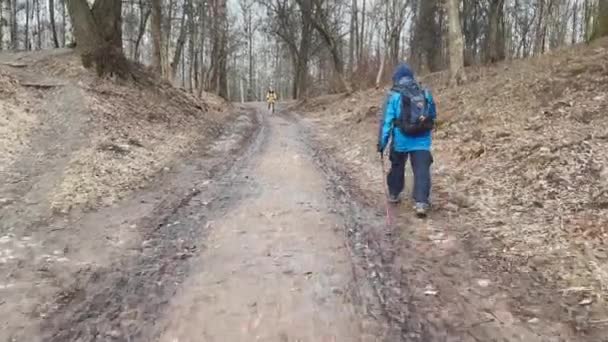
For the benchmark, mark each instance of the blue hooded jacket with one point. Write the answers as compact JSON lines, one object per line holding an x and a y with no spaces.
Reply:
{"x":402,"y":142}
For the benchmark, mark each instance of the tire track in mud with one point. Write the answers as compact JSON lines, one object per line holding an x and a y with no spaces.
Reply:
{"x":382,"y":289}
{"x":122,"y":302}
{"x":421,"y":287}
{"x":277,"y":268}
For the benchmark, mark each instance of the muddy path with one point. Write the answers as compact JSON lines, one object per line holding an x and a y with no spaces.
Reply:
{"x":122,"y":299}
{"x":277,"y":267}
{"x":264,"y":237}
{"x":258,"y":251}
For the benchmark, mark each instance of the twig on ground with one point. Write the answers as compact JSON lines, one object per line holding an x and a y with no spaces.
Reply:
{"x":14,"y":65}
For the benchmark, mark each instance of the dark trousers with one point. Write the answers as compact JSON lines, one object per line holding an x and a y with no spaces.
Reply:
{"x":421,"y":165}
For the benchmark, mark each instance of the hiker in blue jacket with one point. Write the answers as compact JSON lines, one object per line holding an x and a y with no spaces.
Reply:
{"x":408,"y":119}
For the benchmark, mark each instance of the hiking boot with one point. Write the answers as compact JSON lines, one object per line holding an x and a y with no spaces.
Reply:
{"x":394,"y":199}
{"x":421,"y":209}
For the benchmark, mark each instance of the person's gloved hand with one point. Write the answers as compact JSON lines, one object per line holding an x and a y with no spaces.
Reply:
{"x":380,"y":148}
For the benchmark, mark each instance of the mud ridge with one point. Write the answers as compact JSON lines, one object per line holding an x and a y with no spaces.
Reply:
{"x":123,"y":302}
{"x":382,"y":289}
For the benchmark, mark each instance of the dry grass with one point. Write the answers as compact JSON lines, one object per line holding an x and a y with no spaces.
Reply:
{"x":16,"y":121}
{"x":122,"y":134}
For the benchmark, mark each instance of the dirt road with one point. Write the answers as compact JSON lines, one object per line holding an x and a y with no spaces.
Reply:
{"x":263,"y":238}
{"x":256,"y":250}
{"x":276,"y":267}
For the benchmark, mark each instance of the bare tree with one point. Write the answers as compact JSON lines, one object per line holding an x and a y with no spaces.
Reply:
{"x":145,"y":10}
{"x":395,"y":17}
{"x":98,"y":33}
{"x":27,"y":41}
{"x":362,"y":33}
{"x":426,"y":36}
{"x":1,"y":25}
{"x":574,"y":22}
{"x":247,"y":12}
{"x":294,"y":29}
{"x":495,"y":42}
{"x":317,"y":13}
{"x":457,"y":73}
{"x":52,"y":20}
{"x":218,"y":82}
{"x":156,"y":33}
{"x":13,"y":24}
{"x":601,"y":22}
{"x":36,"y":8}
{"x":179,"y":46}
{"x":353,"y":34}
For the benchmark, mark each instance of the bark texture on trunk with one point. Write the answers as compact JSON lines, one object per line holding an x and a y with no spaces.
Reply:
{"x":53,"y":25}
{"x":1,"y":25}
{"x":457,"y":74}
{"x":156,"y":33}
{"x":218,"y":77}
{"x":315,"y":12}
{"x":13,"y":24}
{"x":144,"y":13}
{"x":601,"y":22}
{"x":495,"y":49}
{"x":181,"y":39}
{"x":98,"y":33}
{"x":27,"y":25}
{"x":426,"y":38}
{"x":539,"y":44}
{"x":38,"y":25}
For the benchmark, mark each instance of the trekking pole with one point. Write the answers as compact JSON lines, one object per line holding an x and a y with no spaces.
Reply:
{"x":389,"y":220}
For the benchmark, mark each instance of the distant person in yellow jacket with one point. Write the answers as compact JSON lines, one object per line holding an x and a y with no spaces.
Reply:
{"x":271,"y":98}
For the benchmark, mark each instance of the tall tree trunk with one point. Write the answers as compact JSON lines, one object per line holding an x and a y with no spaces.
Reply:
{"x":362,"y":34}
{"x":85,"y":28}
{"x":13,"y":24}
{"x":495,"y":42}
{"x":319,"y":20}
{"x":303,"y":58}
{"x":456,"y":43}
{"x":219,"y":81}
{"x":53,"y":26}
{"x":27,"y":25}
{"x":202,"y":51}
{"x":1,"y":26}
{"x":193,"y":28}
{"x":108,"y":17}
{"x":63,"y":22}
{"x":601,"y":22}
{"x":98,"y":33}
{"x":144,"y":15}
{"x":380,"y":69}
{"x":587,"y":20}
{"x":539,"y":41}
{"x":195,"y":74}
{"x":181,"y":39}
{"x":38,"y":25}
{"x":574,"y":23}
{"x":352,"y":40}
{"x":156,"y":33}
{"x":167,"y":30}
{"x":251,"y":87}
{"x":426,"y":37}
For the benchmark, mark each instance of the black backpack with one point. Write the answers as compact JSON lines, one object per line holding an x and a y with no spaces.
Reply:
{"x":415,"y":118}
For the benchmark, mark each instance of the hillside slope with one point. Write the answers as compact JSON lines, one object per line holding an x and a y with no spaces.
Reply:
{"x":521,"y":184}
{"x":107,"y":138}
{"x":89,"y":168}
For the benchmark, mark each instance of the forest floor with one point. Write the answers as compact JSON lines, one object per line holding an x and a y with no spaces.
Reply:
{"x":135,"y":212}
{"x":517,"y":237}
{"x":89,"y":168}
